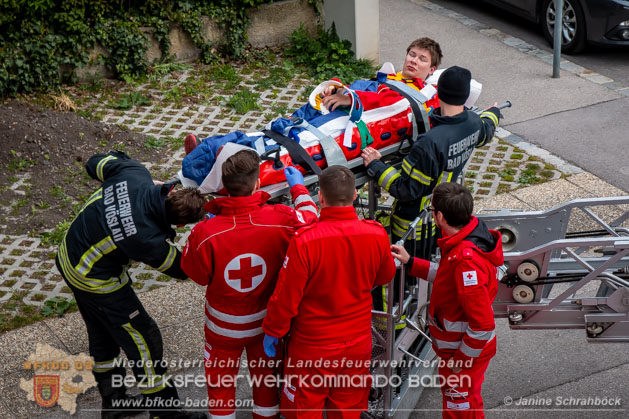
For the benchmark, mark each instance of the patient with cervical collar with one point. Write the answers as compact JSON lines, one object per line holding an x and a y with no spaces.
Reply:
{"x":338,"y":121}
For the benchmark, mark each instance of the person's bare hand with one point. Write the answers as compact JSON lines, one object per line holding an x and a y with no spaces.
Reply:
{"x":400,"y":253}
{"x":330,"y":90}
{"x":370,"y":154}
{"x":335,"y":100}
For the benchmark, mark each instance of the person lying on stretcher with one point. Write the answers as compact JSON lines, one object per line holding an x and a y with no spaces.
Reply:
{"x":423,"y":56}
{"x":378,"y":116}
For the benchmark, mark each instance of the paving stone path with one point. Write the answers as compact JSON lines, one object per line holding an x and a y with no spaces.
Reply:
{"x":27,"y":266}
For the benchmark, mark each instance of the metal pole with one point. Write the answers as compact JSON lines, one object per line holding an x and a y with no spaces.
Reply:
{"x":557,"y":37}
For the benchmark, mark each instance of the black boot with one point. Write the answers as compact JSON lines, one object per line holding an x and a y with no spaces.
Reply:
{"x":121,"y":405}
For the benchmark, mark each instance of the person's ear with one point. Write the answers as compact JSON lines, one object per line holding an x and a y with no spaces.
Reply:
{"x":432,"y":70}
{"x":355,"y":194}
{"x":321,"y":200}
{"x":258,"y":183}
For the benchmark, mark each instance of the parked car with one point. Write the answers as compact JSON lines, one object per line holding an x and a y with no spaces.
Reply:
{"x":602,"y":22}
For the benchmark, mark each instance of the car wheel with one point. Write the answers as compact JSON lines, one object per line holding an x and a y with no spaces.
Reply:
{"x":573,"y":31}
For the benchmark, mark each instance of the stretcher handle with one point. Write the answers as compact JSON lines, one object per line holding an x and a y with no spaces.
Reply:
{"x":503,"y":105}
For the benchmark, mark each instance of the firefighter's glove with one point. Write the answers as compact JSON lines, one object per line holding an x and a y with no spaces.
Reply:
{"x":269,"y":344}
{"x":293,"y":176}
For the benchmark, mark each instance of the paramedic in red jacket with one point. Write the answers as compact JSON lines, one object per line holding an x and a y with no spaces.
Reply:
{"x":237,"y":254}
{"x":323,"y":296}
{"x":461,"y":319}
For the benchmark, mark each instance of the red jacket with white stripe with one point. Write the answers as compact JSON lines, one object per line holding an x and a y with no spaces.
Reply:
{"x":238,"y":255}
{"x":323,"y":294}
{"x":465,"y":283}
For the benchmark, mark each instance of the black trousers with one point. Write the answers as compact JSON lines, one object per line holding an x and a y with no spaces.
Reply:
{"x":118,"y":320}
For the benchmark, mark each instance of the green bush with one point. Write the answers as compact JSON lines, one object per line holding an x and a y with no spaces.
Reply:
{"x":326,"y":55}
{"x":43,"y":41}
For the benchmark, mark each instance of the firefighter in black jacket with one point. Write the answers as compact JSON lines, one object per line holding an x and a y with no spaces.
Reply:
{"x":437,"y":156}
{"x":128,"y":218}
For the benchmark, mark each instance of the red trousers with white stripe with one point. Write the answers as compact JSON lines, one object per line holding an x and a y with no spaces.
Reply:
{"x":462,"y":391}
{"x":331,"y":377}
{"x":222,"y":363}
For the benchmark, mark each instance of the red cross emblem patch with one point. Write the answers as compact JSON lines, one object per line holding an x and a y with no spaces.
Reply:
{"x":245,"y":272}
{"x":469,"y":278}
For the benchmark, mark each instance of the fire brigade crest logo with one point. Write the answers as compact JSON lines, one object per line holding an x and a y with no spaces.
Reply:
{"x":245,"y":272}
{"x":46,"y":388}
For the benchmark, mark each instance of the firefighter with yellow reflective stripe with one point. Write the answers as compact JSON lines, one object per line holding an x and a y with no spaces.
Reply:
{"x":437,"y":156}
{"x":465,"y":284}
{"x":128,"y":218}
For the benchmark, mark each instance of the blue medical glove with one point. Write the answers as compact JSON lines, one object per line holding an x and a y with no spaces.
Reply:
{"x":293,"y":176}
{"x":269,"y":343}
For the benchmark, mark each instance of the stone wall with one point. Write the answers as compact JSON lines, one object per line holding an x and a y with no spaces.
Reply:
{"x":271,"y":24}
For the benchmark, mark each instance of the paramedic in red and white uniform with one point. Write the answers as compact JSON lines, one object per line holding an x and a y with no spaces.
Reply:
{"x":323,"y":296}
{"x":465,"y":282}
{"x":237,"y":254}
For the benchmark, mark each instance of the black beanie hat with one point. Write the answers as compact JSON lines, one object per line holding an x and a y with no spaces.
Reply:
{"x":453,"y":86}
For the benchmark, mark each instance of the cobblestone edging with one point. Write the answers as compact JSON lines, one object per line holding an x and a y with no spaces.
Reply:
{"x":525,"y":47}
{"x":27,"y":268}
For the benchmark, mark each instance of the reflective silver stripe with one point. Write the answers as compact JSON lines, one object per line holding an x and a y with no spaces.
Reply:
{"x":416,"y":174}
{"x":471,"y":352}
{"x":444,"y":344}
{"x":99,"y":286}
{"x":491,"y":116}
{"x":93,"y":255}
{"x":459,"y":327}
{"x":446,"y":178}
{"x":266,"y":411}
{"x":309,"y":208}
{"x":235,"y":319}
{"x":155,"y":384}
{"x":103,"y":366}
{"x":145,"y":356}
{"x":387,"y":177}
{"x":230,"y":416}
{"x":303,"y":198}
{"x":170,"y":258}
{"x":101,"y":165}
{"x":232,"y":333}
{"x":481,"y":335}
{"x":432,"y":272}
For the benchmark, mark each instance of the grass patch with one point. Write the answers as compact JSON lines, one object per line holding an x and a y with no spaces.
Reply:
{"x":471,"y":175}
{"x":517,"y":156}
{"x":489,"y":176}
{"x":130,"y":100}
{"x":153,"y":143}
{"x":58,"y":306}
{"x":55,"y":236}
{"x":244,"y":101}
{"x":503,"y":188}
{"x":507,"y":174}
